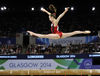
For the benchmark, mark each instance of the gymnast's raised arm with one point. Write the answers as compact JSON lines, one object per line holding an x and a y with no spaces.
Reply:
{"x":61,"y":15}
{"x":44,"y":10}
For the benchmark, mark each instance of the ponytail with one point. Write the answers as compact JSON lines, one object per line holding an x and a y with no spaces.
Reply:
{"x":53,"y":10}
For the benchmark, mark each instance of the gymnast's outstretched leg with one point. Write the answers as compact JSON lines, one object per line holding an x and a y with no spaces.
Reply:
{"x":64,"y":35}
{"x":50,"y":36}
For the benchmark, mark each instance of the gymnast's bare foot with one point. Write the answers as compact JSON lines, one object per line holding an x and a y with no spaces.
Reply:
{"x":87,"y":32}
{"x":31,"y":33}
{"x":82,"y":32}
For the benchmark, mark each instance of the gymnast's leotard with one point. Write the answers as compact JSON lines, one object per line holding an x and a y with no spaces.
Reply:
{"x":55,"y":30}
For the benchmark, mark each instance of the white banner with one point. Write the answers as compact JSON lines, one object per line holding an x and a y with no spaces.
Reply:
{"x":66,"y":41}
{"x":36,"y":64}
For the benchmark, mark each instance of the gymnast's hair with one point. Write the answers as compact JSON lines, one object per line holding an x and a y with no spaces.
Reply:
{"x":53,"y":10}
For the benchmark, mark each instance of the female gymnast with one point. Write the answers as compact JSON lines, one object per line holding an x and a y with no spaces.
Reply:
{"x":56,"y":34}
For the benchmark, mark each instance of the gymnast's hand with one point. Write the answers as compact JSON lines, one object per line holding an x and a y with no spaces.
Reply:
{"x":66,"y":9}
{"x":30,"y":32}
{"x":42,"y":9}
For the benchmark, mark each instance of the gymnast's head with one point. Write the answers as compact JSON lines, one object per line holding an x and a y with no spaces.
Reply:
{"x":52,"y":16}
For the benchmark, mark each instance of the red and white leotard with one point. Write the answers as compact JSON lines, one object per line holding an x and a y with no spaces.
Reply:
{"x":55,"y":30}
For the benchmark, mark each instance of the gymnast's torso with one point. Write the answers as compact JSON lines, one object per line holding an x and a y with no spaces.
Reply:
{"x":54,"y":29}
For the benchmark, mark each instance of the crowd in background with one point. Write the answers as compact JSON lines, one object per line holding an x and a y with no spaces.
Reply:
{"x":51,"y":49}
{"x":68,"y":49}
{"x":10,"y":49}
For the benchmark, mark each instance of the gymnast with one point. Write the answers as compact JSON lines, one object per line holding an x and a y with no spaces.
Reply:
{"x":56,"y":34}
